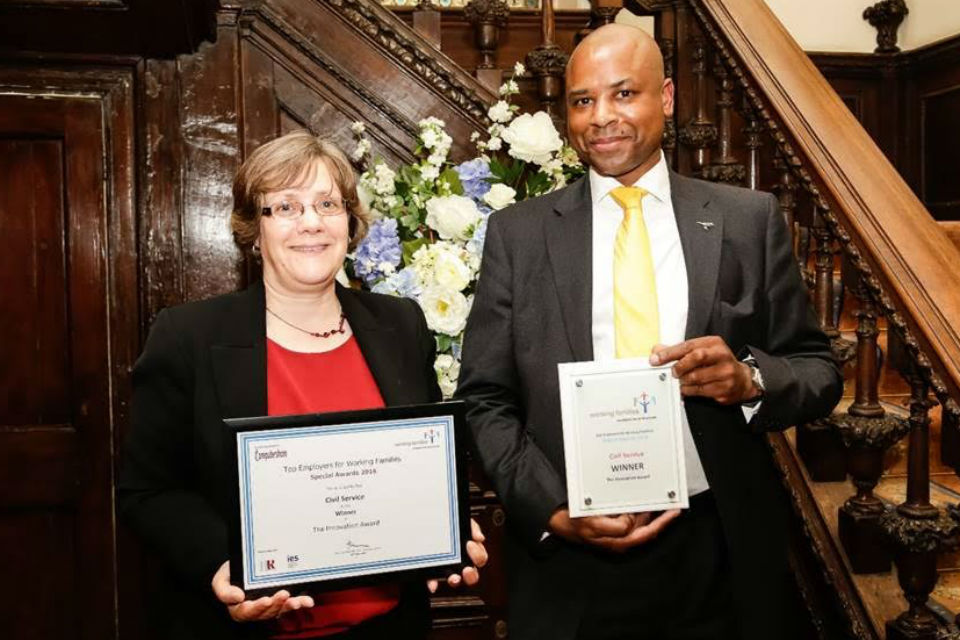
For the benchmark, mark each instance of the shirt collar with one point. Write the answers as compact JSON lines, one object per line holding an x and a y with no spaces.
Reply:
{"x":656,"y":181}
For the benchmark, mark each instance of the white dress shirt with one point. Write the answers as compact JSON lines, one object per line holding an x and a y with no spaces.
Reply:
{"x":671,"y":277}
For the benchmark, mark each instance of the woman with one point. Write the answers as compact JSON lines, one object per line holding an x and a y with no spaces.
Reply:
{"x":295,"y":342}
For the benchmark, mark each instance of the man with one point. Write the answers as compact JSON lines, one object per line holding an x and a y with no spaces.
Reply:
{"x":700,"y":274}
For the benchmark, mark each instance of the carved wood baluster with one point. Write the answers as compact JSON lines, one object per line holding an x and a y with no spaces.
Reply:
{"x":786,"y":190}
{"x":867,"y":432}
{"x":916,"y":528}
{"x":823,"y":279}
{"x":548,"y":62}
{"x":725,"y":168}
{"x":819,"y":444}
{"x":601,"y":12}
{"x":753,"y":140}
{"x":700,"y":133}
{"x":487,"y":18}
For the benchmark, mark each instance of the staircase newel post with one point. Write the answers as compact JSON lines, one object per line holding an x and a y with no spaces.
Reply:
{"x":548,"y":62}
{"x":488,"y":17}
{"x":917,"y":530}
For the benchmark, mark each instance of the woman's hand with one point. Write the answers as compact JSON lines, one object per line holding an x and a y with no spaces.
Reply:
{"x":478,"y":555}
{"x":265,"y":608}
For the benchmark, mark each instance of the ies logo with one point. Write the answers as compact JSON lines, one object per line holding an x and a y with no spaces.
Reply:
{"x":268,"y":565}
{"x":644,"y":401}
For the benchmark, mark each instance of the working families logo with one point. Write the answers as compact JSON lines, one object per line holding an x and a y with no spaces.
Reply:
{"x":644,"y":401}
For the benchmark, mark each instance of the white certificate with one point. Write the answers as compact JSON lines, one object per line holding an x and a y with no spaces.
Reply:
{"x":338,"y":501}
{"x":622,"y":437}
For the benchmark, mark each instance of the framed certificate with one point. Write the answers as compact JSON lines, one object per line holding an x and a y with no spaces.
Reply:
{"x":334,"y":500}
{"x":622,"y":437}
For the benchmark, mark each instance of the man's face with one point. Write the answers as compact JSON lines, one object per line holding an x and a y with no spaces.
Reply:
{"x":616,"y":104}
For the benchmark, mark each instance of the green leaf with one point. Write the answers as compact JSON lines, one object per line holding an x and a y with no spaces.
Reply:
{"x":410,"y":247}
{"x":537,"y":184}
{"x":452,"y":178}
{"x":443,"y":342}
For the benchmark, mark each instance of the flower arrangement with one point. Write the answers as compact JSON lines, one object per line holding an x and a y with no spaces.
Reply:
{"x":430,"y":217}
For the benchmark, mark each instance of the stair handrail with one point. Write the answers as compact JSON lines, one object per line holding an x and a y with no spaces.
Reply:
{"x":887,"y":233}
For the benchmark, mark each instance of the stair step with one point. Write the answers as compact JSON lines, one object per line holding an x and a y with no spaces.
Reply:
{"x":952,"y":228}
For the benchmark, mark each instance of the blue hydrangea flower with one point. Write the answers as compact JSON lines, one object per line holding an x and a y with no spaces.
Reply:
{"x":473,"y":176}
{"x":379,"y":253}
{"x":404,"y":283}
{"x":475,"y":243}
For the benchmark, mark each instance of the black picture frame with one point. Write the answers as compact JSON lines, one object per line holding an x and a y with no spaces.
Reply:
{"x":238,"y":426}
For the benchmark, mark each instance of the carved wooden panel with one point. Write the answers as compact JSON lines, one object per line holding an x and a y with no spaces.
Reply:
{"x":940,"y":153}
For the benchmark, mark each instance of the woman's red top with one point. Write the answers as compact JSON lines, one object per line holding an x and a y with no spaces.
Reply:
{"x":337,"y":380}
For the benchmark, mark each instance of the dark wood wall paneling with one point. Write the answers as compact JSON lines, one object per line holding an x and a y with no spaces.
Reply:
{"x":115,"y":193}
{"x":909,"y":102}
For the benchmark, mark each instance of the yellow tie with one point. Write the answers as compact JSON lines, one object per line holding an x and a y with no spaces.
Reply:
{"x":636,"y":319}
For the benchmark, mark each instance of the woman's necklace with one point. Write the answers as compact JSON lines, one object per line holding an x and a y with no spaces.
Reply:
{"x":315,"y":334}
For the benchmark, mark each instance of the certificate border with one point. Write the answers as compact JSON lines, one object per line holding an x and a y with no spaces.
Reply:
{"x":449,"y":415}
{"x":566,"y":372}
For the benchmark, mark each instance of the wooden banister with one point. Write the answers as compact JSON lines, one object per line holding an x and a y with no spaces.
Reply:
{"x":911,"y":257}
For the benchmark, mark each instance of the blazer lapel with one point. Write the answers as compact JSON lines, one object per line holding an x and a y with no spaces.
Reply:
{"x":568,"y":235}
{"x":377,"y":341}
{"x":239,"y":357}
{"x":701,"y":235}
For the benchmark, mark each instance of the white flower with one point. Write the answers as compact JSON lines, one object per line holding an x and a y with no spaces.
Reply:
{"x":509,"y":87}
{"x":362,"y":148}
{"x":358,"y":128}
{"x":533,"y":138}
{"x":519,"y":69}
{"x":499,"y":196}
{"x":429,"y":137}
{"x":449,"y":271}
{"x":494,"y":144}
{"x":452,"y":216}
{"x":446,"y":311}
{"x":383,"y":183}
{"x":447,"y":369}
{"x":429,"y":172}
{"x":474,"y":136}
{"x":500,"y":112}
{"x":432,"y":122}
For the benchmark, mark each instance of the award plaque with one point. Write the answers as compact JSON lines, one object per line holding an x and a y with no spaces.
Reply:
{"x":622,"y":437}
{"x":334,"y":500}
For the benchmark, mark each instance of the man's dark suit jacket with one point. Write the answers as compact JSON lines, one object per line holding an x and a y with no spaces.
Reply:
{"x":205,"y":361}
{"x":533,"y":310}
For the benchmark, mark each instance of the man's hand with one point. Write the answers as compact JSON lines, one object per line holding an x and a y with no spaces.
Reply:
{"x":614,"y":533}
{"x":706,"y":367}
{"x":265,"y":608}
{"x":478,"y":555}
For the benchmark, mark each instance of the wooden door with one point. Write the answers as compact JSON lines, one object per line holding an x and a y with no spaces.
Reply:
{"x":57,"y":534}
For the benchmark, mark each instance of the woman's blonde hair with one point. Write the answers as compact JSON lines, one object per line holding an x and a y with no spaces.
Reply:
{"x":290,"y":161}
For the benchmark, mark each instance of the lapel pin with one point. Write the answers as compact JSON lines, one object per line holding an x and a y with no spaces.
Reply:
{"x":706,"y":225}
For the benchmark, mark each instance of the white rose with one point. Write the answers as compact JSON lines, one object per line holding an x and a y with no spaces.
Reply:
{"x":500,"y":112}
{"x":359,"y":128}
{"x":499,"y":196}
{"x":450,"y":272}
{"x":430,"y":172}
{"x":452,"y":216}
{"x":533,"y":138}
{"x":494,"y":144}
{"x":384,"y":178}
{"x":446,"y":311}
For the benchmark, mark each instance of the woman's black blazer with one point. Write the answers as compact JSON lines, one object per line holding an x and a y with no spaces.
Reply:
{"x":205,"y":361}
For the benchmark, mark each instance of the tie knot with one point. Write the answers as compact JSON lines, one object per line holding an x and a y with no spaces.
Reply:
{"x":628,"y":197}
